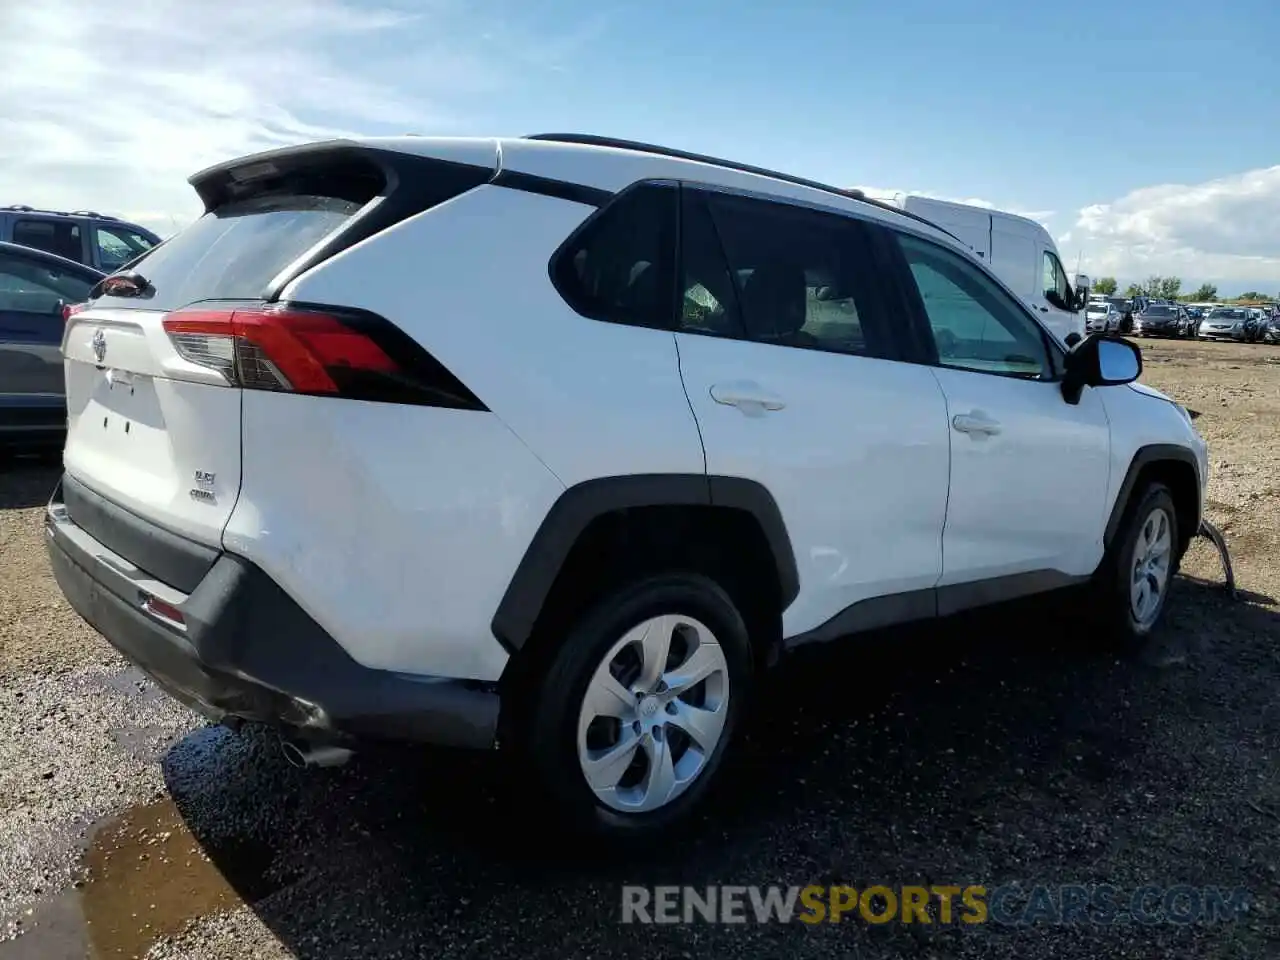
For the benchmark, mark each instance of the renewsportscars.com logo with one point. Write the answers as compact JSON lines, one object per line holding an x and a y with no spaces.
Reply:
{"x":973,"y":904}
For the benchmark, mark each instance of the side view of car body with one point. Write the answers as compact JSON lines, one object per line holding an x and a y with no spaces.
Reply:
{"x":714,"y":412}
{"x":94,"y":239}
{"x":34,"y":288}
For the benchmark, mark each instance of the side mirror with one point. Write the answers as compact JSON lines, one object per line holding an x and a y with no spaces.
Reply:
{"x":1100,"y":361}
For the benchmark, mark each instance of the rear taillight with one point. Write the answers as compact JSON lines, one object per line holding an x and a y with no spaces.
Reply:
{"x":69,"y":310}
{"x":315,"y":351}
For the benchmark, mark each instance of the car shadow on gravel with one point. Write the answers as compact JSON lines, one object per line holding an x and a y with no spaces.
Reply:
{"x":990,"y":748}
{"x":28,"y":480}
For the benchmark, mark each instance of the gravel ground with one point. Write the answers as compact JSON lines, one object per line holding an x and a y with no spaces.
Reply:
{"x":994,"y":750}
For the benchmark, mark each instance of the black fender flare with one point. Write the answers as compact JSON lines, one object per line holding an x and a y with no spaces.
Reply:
{"x":1152,"y":453}
{"x":579,"y":505}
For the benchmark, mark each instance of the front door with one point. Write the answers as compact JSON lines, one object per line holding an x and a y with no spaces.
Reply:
{"x":1029,"y":471}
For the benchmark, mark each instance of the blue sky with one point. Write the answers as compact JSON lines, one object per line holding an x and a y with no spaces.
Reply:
{"x":1145,"y":135}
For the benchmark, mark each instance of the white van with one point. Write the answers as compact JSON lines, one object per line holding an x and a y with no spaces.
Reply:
{"x":1021,"y":253}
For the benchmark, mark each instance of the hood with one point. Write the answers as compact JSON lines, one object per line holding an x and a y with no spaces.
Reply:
{"x":1150,"y":392}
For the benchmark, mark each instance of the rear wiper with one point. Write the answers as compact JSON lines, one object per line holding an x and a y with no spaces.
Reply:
{"x":128,"y":283}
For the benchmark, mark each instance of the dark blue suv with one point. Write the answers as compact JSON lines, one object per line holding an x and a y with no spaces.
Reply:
{"x":102,"y":242}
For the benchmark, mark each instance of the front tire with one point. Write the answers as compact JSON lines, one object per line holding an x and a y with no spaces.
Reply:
{"x":1132,"y":584}
{"x":631,"y":721}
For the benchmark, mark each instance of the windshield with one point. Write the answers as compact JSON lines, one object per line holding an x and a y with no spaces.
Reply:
{"x":1159,"y":312}
{"x":1226,"y":315}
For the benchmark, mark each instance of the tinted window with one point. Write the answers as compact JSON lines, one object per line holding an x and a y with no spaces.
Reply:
{"x":619,"y":266}
{"x":118,"y":245}
{"x":975,"y":324}
{"x":28,"y":286}
{"x":1158,"y":312}
{"x":774,"y":273}
{"x":61,"y":237}
{"x":235,"y":251}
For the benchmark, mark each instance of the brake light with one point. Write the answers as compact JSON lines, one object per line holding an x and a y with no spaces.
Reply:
{"x":69,"y":310}
{"x":314,"y":350}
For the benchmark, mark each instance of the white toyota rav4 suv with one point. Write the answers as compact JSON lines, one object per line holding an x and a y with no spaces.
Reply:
{"x":553,"y":444}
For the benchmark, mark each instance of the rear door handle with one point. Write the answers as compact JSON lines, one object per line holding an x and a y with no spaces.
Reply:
{"x":976,"y":422}
{"x":746,"y":395}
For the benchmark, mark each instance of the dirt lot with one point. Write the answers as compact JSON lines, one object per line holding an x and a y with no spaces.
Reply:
{"x":989,"y":751}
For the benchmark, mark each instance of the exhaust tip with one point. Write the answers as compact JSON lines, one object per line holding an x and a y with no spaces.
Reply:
{"x":299,"y":753}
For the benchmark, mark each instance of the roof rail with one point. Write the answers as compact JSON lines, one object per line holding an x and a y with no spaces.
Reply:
{"x":591,"y":140}
{"x":19,"y":207}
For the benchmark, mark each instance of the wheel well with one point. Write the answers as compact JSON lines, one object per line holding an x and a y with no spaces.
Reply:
{"x":726,"y":544}
{"x":1180,"y":477}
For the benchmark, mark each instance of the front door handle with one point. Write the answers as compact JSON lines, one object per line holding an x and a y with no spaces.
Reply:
{"x":746,"y":395}
{"x":976,"y":422}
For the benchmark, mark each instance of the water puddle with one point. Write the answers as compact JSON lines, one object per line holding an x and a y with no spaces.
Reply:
{"x":146,"y":877}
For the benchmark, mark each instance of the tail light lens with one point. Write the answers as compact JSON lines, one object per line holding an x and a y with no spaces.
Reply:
{"x":69,"y":310}
{"x":316,"y":351}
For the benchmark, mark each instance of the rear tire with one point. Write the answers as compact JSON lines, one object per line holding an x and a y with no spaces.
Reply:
{"x":620,"y":743}
{"x":1132,"y":583}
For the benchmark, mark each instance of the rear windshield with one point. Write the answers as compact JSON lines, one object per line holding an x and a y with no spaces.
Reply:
{"x":233,"y":252}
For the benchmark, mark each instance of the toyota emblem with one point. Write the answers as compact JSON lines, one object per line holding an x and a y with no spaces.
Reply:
{"x":99,"y":345}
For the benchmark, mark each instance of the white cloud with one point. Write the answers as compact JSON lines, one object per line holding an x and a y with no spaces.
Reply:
{"x":1223,"y":231}
{"x":111,"y":108}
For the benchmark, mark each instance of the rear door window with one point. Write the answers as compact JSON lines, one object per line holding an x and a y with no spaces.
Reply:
{"x":776,"y":273}
{"x":60,"y":237}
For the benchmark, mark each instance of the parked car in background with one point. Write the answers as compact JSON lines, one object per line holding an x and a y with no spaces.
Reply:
{"x":1189,"y":323}
{"x":1225,"y":323}
{"x":1102,"y":317}
{"x":105,"y":243}
{"x":1160,"y":320}
{"x":1273,"y":329}
{"x":34,"y":288}
{"x":1257,"y":324}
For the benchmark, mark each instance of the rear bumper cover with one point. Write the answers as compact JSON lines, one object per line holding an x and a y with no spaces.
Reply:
{"x":246,"y":650}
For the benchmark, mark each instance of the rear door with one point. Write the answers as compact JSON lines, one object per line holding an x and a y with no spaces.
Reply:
{"x":33,"y":290}
{"x":786,"y":354}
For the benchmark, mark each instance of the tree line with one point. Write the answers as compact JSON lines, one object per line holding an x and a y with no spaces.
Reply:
{"x":1170,"y":288}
